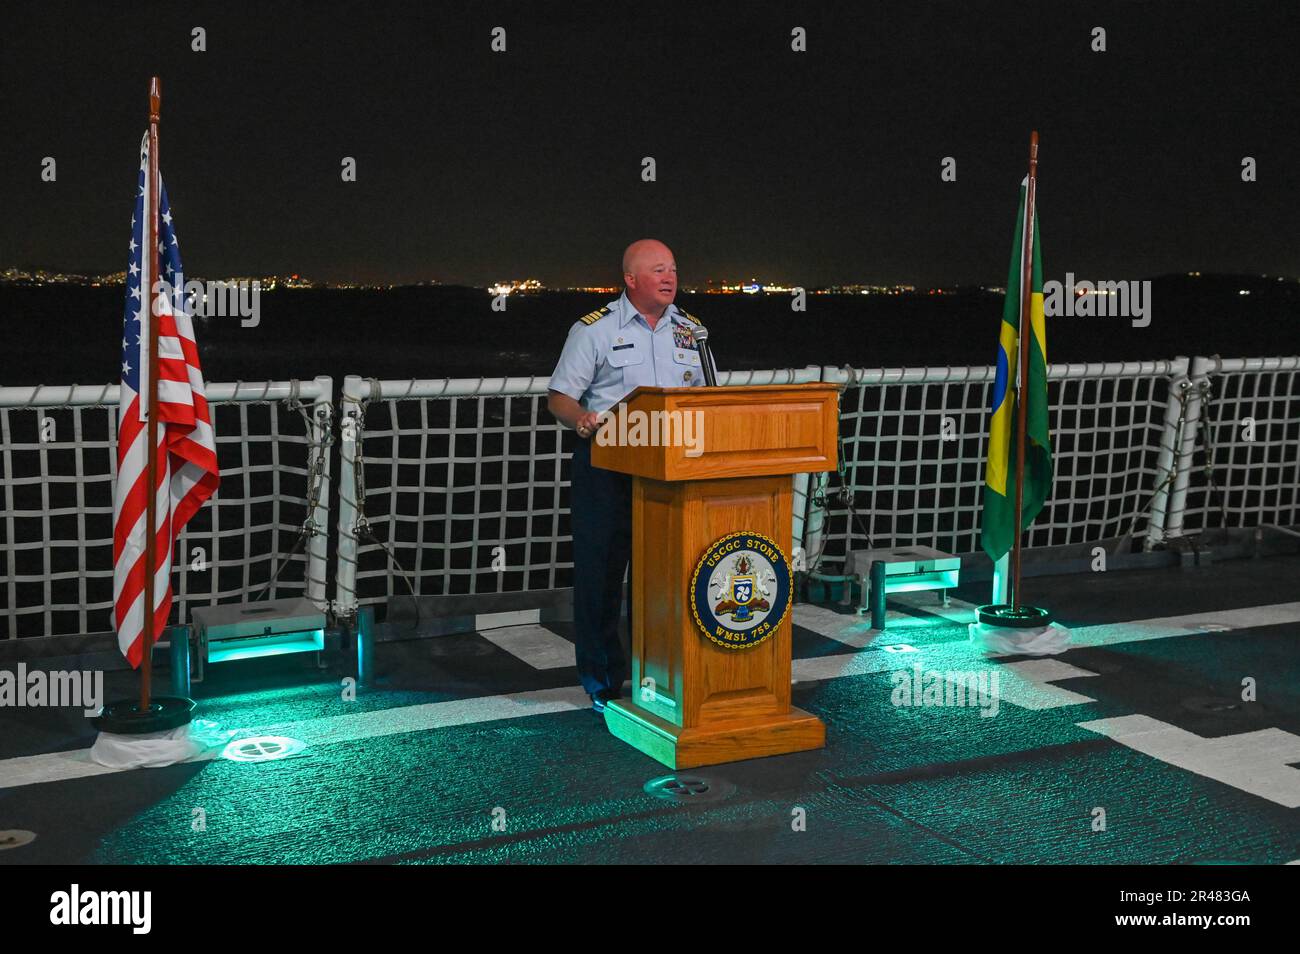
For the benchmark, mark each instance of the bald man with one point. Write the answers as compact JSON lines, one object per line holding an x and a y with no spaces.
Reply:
{"x":642,"y":338}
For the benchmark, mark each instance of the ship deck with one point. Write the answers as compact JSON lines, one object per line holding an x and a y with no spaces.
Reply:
{"x":1134,"y":746}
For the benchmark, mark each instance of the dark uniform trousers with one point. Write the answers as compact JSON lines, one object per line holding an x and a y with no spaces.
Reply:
{"x":600,"y":515}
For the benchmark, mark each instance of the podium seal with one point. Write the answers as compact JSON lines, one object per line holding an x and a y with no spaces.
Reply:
{"x":740,"y":591}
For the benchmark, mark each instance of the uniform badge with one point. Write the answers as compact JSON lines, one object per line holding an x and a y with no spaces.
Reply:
{"x":740,"y":591}
{"x":686,"y":375}
{"x":682,"y":337}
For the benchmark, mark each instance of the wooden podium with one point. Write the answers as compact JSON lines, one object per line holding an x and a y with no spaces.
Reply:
{"x":695,"y":702}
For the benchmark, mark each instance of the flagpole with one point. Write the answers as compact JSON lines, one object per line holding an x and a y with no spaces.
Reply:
{"x":151,"y":426}
{"x":150,"y":713}
{"x":1012,"y":627}
{"x":1024,"y":335}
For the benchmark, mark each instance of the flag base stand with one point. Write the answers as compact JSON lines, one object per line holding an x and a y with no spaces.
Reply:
{"x":1011,"y":617}
{"x":1004,"y":630}
{"x":125,"y":717}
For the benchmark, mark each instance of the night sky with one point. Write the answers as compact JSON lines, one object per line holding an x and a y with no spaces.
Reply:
{"x":806,"y":168}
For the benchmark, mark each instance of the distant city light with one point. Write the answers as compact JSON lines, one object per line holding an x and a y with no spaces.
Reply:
{"x":516,"y":286}
{"x":12,"y":275}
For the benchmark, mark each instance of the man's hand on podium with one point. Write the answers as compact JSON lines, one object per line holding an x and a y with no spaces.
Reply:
{"x":588,"y":424}
{"x":570,"y":413}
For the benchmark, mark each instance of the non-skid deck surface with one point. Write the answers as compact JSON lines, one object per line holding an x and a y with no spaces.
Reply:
{"x":480,"y":748}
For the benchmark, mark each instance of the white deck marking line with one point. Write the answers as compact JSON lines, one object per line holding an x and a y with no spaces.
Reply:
{"x":1028,"y":684}
{"x":1023,"y":684}
{"x":847,"y":628}
{"x":856,"y":631}
{"x":348,"y":727}
{"x":1212,"y":621}
{"x":53,"y":767}
{"x":1253,"y":762}
{"x":535,"y":645}
{"x":33,"y":769}
{"x":848,"y":664}
{"x":930,"y":602}
{"x":853,"y":628}
{"x":511,"y":618}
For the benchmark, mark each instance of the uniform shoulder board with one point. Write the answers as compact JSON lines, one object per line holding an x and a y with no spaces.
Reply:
{"x":688,"y":316}
{"x":594,"y":317}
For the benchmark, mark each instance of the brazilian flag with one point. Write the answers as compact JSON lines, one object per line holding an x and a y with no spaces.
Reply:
{"x":998,"y":530}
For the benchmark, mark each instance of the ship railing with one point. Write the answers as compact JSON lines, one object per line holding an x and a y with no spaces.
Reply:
{"x":263,"y":533}
{"x":1238,"y":455}
{"x":915,"y":442}
{"x":458,"y":487}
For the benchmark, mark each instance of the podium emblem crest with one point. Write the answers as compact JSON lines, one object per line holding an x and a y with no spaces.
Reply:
{"x":740,"y":591}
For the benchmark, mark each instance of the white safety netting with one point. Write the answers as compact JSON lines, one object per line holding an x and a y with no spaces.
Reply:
{"x":461,"y":485}
{"x":464,"y":487}
{"x":463,"y":494}
{"x":58,"y":468}
{"x":915,"y":443}
{"x":1245,"y":470}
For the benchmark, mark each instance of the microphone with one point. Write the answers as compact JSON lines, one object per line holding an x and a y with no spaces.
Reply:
{"x":701,"y":335}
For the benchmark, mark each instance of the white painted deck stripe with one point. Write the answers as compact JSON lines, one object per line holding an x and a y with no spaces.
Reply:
{"x":1254,"y":762}
{"x":847,"y":628}
{"x":1025,"y":684}
{"x":347,"y":727}
{"x":350,"y":727}
{"x":512,"y":618}
{"x":535,"y":645}
{"x":34,"y":769}
{"x":854,"y":630}
{"x":1029,"y":684}
{"x":54,"y":767}
{"x":1213,"y":621}
{"x":929,"y":601}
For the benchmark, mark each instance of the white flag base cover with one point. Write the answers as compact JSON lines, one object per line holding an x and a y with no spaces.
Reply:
{"x":1007,"y":641}
{"x":157,"y":749}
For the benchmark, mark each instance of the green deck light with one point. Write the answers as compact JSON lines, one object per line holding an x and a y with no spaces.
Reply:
{"x":262,"y":748}
{"x":252,"y":630}
{"x":278,"y":645}
{"x":904,"y":570}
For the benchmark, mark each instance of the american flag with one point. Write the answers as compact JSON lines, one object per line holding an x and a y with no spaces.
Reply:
{"x":187,"y":472}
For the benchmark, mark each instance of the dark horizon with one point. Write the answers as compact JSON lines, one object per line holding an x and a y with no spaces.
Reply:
{"x":809,"y":169}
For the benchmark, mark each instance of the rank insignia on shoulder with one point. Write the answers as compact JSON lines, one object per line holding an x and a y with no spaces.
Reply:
{"x":595,"y":316}
{"x":688,"y":316}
